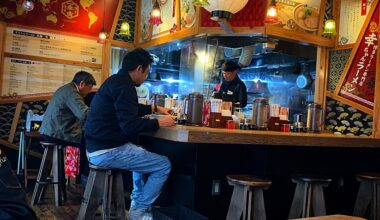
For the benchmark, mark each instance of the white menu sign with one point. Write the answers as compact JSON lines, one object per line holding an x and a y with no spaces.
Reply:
{"x":24,"y":77}
{"x":43,"y":44}
{"x":352,"y":16}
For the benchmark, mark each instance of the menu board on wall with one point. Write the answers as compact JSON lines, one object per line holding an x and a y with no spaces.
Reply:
{"x":168,"y":16}
{"x":23,"y":77}
{"x":359,"y":82}
{"x":352,"y":16}
{"x":42,"y":44}
{"x":300,"y":15}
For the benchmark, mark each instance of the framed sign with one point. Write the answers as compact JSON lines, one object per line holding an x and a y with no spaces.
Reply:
{"x":353,"y":13}
{"x":169,"y":17}
{"x":357,"y":84}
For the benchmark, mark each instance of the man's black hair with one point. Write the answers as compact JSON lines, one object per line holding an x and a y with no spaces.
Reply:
{"x":87,"y":78}
{"x":135,"y":58}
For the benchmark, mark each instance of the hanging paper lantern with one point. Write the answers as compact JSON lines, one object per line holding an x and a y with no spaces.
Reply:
{"x":125,"y":29}
{"x":155,"y":14}
{"x":224,"y":8}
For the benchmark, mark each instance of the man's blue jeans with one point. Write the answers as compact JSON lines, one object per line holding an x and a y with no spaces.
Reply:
{"x":142,"y":163}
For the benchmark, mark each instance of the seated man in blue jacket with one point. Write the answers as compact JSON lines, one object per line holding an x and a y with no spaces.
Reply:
{"x":112,"y":127}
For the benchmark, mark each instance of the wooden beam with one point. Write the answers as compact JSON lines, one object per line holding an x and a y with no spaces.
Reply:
{"x":349,"y":102}
{"x":121,"y":44}
{"x":116,"y":19}
{"x":3,"y":28}
{"x":106,"y":60}
{"x":298,"y":36}
{"x":26,"y":98}
{"x":16,"y":147}
{"x":376,"y":105}
{"x":321,"y":75}
{"x":16,"y":116}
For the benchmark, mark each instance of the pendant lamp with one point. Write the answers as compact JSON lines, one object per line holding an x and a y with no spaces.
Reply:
{"x":329,"y":27}
{"x":155,"y":14}
{"x":224,"y":9}
{"x":103,"y":34}
{"x":272,"y":15}
{"x":125,"y":29}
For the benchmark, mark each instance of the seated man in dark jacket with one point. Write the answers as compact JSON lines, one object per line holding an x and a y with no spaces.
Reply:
{"x":113,"y":124}
{"x":12,"y":197}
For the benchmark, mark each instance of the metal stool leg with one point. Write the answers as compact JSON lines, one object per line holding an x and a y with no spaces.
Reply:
{"x":43,"y":173}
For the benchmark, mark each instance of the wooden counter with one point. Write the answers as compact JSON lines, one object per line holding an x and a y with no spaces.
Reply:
{"x":193,"y":134}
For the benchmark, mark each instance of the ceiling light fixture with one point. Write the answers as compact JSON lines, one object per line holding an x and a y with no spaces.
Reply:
{"x":103,"y":34}
{"x":329,"y":27}
{"x":125,"y":29}
{"x":28,"y":5}
{"x":155,"y":14}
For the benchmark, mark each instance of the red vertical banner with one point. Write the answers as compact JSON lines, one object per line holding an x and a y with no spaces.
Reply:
{"x":359,"y":84}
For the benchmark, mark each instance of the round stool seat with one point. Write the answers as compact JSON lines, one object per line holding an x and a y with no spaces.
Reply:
{"x":248,"y":180}
{"x":312,"y":178}
{"x":92,"y":166}
{"x":368,"y":176}
{"x":48,"y":144}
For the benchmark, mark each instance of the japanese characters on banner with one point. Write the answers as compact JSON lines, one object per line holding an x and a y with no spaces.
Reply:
{"x":359,"y":84}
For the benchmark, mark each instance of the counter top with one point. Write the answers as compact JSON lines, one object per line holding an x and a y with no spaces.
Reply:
{"x":194,"y":134}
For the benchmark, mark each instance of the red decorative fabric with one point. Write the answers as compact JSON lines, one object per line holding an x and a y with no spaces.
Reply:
{"x":72,"y":161}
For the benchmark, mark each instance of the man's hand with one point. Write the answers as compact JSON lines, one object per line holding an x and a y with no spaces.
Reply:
{"x":166,"y":121}
{"x":163,"y":111}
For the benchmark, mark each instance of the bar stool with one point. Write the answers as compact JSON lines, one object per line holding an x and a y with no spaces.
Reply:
{"x":103,"y":184}
{"x":368,"y":196}
{"x":53,"y":154}
{"x":309,"y":199}
{"x":247,"y":197}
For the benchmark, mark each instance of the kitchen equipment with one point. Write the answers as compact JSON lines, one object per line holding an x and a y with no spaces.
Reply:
{"x":314,"y":117}
{"x":159,"y":99}
{"x":298,"y":123}
{"x":260,"y":113}
{"x":193,"y":108}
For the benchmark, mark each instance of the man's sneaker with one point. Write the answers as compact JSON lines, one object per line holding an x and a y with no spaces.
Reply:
{"x":140,"y":214}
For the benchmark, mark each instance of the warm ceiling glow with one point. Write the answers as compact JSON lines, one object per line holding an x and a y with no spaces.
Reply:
{"x":125,"y":29}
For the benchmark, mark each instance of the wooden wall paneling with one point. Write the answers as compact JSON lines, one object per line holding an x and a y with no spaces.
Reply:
{"x":376,"y":106}
{"x":116,"y":19}
{"x":26,"y":98}
{"x":337,"y":4}
{"x":322,"y":11}
{"x":289,"y":34}
{"x":16,"y":147}
{"x":349,"y":102}
{"x":355,"y":49}
{"x":16,"y":116}
{"x":138,"y":22}
{"x":3,"y":27}
{"x":106,"y":60}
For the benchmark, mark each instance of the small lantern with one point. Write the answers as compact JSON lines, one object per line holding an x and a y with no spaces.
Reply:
{"x":125,"y":29}
{"x":272,"y":15}
{"x":155,"y":14}
{"x":102,"y":36}
{"x":223,"y":9}
{"x":329,"y":27}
